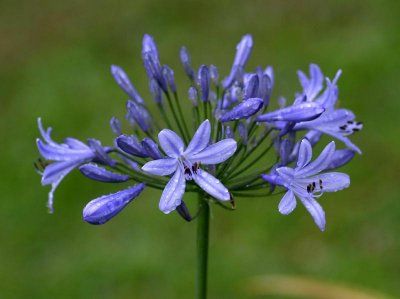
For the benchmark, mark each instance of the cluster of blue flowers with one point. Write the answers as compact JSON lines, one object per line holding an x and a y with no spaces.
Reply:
{"x":229,"y":132}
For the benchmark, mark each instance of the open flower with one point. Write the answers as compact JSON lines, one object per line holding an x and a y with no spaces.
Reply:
{"x":65,"y":156}
{"x":185,"y":165}
{"x":306,"y":183}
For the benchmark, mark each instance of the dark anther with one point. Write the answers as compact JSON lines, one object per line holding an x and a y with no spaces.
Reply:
{"x":344,"y":127}
{"x":187,"y":171}
{"x":356,"y":129}
{"x":309,"y":188}
{"x":359,"y":123}
{"x":195,"y":167}
{"x":350,"y":122}
{"x":320,"y":183}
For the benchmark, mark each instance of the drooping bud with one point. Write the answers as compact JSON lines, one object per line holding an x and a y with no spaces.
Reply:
{"x":123,"y":81}
{"x":151,"y":148}
{"x":130,"y":145}
{"x":243,"y":110}
{"x":97,"y":173}
{"x":295,"y":113}
{"x":102,"y":209}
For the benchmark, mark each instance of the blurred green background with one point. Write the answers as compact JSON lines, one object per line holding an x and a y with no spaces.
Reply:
{"x":55,"y":58}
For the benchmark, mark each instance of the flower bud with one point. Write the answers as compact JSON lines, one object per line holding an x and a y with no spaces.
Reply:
{"x":102,"y":209}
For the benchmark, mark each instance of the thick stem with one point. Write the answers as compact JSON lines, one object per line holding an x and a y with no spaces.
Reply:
{"x":203,"y":221}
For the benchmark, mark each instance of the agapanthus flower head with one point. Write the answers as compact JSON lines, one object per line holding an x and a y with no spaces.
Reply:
{"x":221,"y":148}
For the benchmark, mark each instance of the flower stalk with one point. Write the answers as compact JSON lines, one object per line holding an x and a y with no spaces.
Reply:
{"x":203,"y":223}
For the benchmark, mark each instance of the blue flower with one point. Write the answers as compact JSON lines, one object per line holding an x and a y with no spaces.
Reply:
{"x":65,"y":156}
{"x":185,"y":165}
{"x":306,"y":183}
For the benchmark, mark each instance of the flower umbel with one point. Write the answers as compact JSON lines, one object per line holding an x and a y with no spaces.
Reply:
{"x":234,"y":127}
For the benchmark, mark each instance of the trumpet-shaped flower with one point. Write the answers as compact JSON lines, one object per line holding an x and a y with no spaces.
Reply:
{"x":306,"y":183}
{"x":184,"y":164}
{"x":65,"y":156}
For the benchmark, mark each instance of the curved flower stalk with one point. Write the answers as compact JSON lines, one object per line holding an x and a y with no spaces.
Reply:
{"x":229,"y":157}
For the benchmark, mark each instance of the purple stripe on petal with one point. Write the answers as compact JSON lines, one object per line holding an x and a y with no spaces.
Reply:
{"x":173,"y":192}
{"x":287,"y":203}
{"x":211,"y":185}
{"x":319,"y":164}
{"x":305,"y":153}
{"x":161,"y":166}
{"x":97,"y":173}
{"x":171,"y":143}
{"x":102,"y":209}
{"x":151,"y":148}
{"x":215,"y":153}
{"x":316,"y":211}
{"x":200,"y":139}
{"x":296,"y":113}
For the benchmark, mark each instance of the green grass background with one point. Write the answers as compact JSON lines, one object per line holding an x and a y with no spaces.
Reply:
{"x":54,"y":63}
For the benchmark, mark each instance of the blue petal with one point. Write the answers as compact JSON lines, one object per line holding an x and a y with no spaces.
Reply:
{"x":305,"y":153}
{"x":102,"y":209}
{"x":204,"y":82}
{"x":330,"y":181}
{"x":171,"y":143}
{"x":287,"y":174}
{"x":215,"y":153}
{"x":60,"y":153}
{"x":173,"y":192}
{"x":296,"y":113}
{"x":55,"y":170}
{"x":243,"y":110}
{"x":316,"y":211}
{"x":161,"y":166}
{"x":151,"y":148}
{"x":97,"y":173}
{"x":340,"y":158}
{"x":287,"y":203}
{"x":200,"y":139}
{"x":75,"y":144}
{"x":312,"y":86}
{"x":319,"y":164}
{"x":211,"y":185}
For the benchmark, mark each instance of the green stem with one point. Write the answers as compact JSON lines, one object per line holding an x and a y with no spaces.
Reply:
{"x":203,"y":221}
